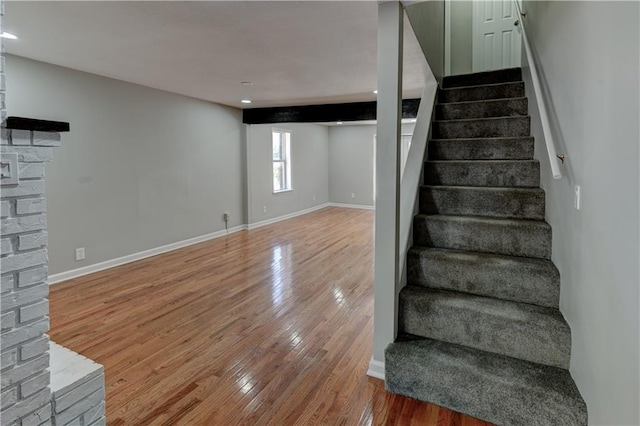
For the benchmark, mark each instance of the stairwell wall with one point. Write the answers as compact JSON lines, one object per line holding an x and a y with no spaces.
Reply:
{"x":461,"y":21}
{"x":588,"y":58}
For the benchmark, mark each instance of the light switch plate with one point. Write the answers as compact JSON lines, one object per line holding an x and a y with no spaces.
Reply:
{"x":9,"y":168}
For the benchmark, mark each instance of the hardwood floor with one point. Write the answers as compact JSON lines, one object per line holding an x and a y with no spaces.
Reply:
{"x":269,"y":326}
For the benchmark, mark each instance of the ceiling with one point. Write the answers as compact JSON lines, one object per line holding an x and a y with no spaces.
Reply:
{"x":294,"y":52}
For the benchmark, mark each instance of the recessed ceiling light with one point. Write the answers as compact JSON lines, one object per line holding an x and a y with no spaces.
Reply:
{"x":8,"y":35}
{"x":245,"y":101}
{"x":375,"y":91}
{"x":247,"y":83}
{"x":338,"y":122}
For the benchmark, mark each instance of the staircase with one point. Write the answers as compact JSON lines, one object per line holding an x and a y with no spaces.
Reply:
{"x":479,"y":327}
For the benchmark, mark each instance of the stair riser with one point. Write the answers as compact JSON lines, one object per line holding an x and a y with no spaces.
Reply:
{"x":504,"y":203}
{"x":491,"y":77}
{"x":481,"y":149}
{"x":481,"y":93}
{"x":495,"y":174}
{"x":497,"y":389}
{"x":501,"y":108}
{"x":526,"y":240}
{"x":519,"y":280}
{"x":531,"y":336}
{"x":483,"y":128}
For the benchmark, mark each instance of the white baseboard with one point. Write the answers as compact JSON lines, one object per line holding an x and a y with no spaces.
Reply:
{"x":96,"y":267}
{"x":286,"y":216}
{"x":376,"y":369}
{"x":352,"y":206}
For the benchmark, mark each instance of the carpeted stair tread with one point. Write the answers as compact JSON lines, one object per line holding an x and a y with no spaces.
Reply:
{"x":503,"y":173}
{"x":482,"y":296}
{"x":519,"y":279}
{"x":509,"y":148}
{"x":496,"y":388}
{"x":500,"y":202}
{"x":482,"y":78}
{"x":519,"y":330}
{"x":482,"y":109}
{"x":481,"y":128}
{"x":480,"y":93}
{"x":524,"y":238}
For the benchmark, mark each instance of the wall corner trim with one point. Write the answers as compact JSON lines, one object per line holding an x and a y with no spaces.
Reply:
{"x":376,"y":369}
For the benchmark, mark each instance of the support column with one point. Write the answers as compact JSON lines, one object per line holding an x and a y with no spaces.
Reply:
{"x":389,"y":112}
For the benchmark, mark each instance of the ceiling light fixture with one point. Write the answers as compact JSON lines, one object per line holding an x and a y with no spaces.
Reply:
{"x":8,"y":35}
{"x":245,"y":101}
{"x":247,"y":83}
{"x":375,"y":91}
{"x":338,"y":122}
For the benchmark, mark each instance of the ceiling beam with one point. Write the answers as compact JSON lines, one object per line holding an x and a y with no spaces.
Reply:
{"x":355,"y":111}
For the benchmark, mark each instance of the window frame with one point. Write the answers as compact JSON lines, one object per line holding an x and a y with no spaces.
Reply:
{"x":285,"y":158}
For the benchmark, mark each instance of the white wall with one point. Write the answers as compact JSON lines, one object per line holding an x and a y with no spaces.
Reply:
{"x":461,"y":37}
{"x":141,"y":168}
{"x":309,"y":170}
{"x":428,"y":22}
{"x":588,"y":54}
{"x":351,"y":163}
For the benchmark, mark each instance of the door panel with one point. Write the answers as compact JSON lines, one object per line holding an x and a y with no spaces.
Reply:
{"x":496,"y":40}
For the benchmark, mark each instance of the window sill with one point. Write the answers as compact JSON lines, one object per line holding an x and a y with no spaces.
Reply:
{"x":283,"y":190}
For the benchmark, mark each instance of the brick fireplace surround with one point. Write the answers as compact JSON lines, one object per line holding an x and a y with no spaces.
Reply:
{"x":41,"y":383}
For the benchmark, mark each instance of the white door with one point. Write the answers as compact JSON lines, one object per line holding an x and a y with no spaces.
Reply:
{"x":496,"y":37}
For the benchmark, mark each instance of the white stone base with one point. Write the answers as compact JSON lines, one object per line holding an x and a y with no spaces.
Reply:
{"x":77,"y":388}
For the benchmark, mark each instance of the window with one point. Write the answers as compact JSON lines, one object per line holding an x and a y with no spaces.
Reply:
{"x":281,"y":146}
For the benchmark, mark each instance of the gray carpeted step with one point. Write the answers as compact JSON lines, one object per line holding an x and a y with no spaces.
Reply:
{"x":481,"y":149}
{"x":507,"y":203}
{"x":526,"y":238}
{"x":481,"y":288}
{"x":495,"y":388}
{"x":482,"y":109}
{"x":482,"y":78}
{"x":511,"y":173}
{"x":520,"y":279}
{"x":482,"y":128}
{"x":481,"y":93}
{"x":518,"y":330}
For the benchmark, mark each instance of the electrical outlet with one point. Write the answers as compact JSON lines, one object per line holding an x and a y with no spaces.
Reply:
{"x":80,"y":255}
{"x":264,"y":209}
{"x":576,"y":197}
{"x":353,"y":195}
{"x":314,"y":198}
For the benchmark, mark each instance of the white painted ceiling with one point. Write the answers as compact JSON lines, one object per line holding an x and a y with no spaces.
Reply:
{"x":295,"y":52}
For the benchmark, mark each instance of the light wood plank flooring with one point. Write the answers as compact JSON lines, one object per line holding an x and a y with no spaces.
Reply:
{"x":269,"y":326}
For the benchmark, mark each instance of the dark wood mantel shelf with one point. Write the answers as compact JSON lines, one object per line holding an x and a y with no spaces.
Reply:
{"x":22,"y":123}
